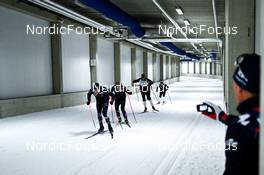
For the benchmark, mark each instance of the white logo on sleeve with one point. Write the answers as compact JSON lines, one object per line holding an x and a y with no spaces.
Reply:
{"x":243,"y":119}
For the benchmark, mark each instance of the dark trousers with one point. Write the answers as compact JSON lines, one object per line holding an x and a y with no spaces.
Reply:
{"x":102,"y":109}
{"x":162,"y":94}
{"x":146,"y":94}
{"x":119,"y":103}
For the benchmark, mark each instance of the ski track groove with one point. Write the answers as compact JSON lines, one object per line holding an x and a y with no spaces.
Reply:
{"x":166,"y":161}
{"x":148,"y":156}
{"x":82,"y":165}
{"x":182,"y":154}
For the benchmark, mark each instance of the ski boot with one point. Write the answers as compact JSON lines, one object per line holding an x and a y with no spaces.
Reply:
{"x":111,"y":131}
{"x":119,"y":120}
{"x":158,"y":103}
{"x":101,"y":129}
{"x":145,"y":110}
{"x":154,"y":109}
{"x":127,"y":123}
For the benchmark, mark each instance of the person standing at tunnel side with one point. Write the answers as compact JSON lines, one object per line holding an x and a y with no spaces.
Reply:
{"x":242,"y":136}
{"x":145,"y":88}
{"x":102,"y":100}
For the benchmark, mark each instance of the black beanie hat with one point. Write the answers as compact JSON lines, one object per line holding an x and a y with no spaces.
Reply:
{"x":247,"y":73}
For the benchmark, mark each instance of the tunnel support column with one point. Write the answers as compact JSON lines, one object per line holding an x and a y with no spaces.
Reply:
{"x":133,"y":64}
{"x":200,"y":67}
{"x":145,"y":62}
{"x":188,"y":69}
{"x":56,"y":63}
{"x":57,"y":73}
{"x":214,"y":70}
{"x":205,"y":67}
{"x":161,"y":67}
{"x":167,"y":67}
{"x":93,"y":58}
{"x":117,"y":61}
{"x":239,"y":13}
{"x":154,"y":68}
{"x":178,"y":68}
{"x":211,"y":68}
{"x":173,"y":67}
{"x":194,"y":67}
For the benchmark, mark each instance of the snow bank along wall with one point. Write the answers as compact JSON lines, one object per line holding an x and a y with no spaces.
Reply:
{"x":42,"y":72}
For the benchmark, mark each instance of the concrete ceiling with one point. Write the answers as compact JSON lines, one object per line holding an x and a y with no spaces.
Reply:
{"x":198,"y":12}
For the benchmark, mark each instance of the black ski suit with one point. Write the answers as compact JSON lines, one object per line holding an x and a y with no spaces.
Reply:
{"x":145,"y":87}
{"x":102,"y":101}
{"x":163,"y":89}
{"x":242,"y":139}
{"x":119,"y":97}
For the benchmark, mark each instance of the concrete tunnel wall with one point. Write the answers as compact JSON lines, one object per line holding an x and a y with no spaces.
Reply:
{"x":46,"y":72}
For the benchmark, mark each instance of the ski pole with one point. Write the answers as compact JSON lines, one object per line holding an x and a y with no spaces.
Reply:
{"x":92,"y":115}
{"x":112,"y":114}
{"x":113,"y":117}
{"x":137,"y":94}
{"x":169,"y":97}
{"x":154,"y":94}
{"x":132,"y":109}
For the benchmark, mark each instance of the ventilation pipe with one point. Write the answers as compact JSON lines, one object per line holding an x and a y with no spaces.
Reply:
{"x":110,"y":10}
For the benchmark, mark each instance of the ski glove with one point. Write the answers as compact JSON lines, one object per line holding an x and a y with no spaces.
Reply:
{"x":88,"y":102}
{"x":111,"y":102}
{"x":129,"y":92}
{"x":216,"y":113}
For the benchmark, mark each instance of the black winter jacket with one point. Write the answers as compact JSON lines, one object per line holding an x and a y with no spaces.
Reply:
{"x":242,"y":139}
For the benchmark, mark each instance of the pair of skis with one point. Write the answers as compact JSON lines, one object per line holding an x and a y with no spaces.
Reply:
{"x":124,"y":123}
{"x":100,"y":133}
{"x":154,"y":111}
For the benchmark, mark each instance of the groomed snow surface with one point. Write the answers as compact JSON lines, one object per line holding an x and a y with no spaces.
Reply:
{"x":177,"y":140}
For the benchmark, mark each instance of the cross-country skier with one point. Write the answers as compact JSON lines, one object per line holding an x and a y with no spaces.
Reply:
{"x":162,"y":88}
{"x":242,"y":135}
{"x":102,"y":100}
{"x":119,"y":97}
{"x":145,"y":88}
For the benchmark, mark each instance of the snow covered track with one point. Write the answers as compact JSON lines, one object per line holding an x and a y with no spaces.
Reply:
{"x":177,"y":140}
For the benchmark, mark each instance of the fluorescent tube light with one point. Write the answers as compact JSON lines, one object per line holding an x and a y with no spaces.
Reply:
{"x":179,"y":11}
{"x":186,"y":22}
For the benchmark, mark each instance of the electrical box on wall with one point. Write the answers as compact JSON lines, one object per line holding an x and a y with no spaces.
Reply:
{"x":92,"y":62}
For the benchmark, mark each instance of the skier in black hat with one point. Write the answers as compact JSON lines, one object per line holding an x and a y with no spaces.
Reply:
{"x":119,"y":97}
{"x":242,"y":136}
{"x":162,"y":88}
{"x":145,"y":88}
{"x":102,"y":100}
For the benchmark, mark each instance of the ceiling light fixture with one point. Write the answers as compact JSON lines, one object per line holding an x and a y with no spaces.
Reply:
{"x":179,"y":11}
{"x":186,"y":22}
